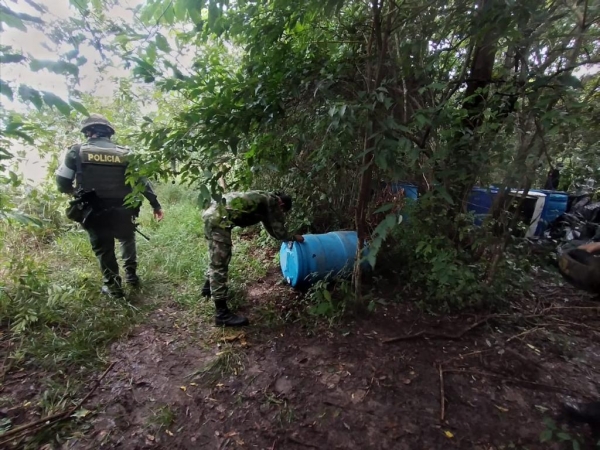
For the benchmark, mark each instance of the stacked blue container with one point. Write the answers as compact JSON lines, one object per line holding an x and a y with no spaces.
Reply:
{"x":556,"y":205}
{"x":480,"y":202}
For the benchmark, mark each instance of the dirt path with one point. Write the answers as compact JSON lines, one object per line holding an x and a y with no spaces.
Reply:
{"x":292,"y":387}
{"x":179,"y":383}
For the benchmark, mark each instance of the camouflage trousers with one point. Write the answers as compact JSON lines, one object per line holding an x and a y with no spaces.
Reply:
{"x":218,"y":235}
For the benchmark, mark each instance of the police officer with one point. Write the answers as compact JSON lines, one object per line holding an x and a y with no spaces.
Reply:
{"x":99,"y":165}
{"x":240,"y":209}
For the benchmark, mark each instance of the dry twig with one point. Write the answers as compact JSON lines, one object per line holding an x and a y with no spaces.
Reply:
{"x":428,"y":334}
{"x":526,"y":383}
{"x":442,"y":394}
{"x":23,"y":430}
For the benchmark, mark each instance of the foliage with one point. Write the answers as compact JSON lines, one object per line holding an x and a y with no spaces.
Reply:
{"x":292,"y":104}
{"x":442,"y":276}
{"x":553,"y":433}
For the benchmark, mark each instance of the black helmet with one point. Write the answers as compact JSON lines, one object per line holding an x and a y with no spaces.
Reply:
{"x":96,"y":119}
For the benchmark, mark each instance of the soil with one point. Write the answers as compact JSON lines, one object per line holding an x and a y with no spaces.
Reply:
{"x":290,"y":385}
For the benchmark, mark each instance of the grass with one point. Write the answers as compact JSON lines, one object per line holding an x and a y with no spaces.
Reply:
{"x":162,"y":417}
{"x":228,"y":361}
{"x":53,"y":320}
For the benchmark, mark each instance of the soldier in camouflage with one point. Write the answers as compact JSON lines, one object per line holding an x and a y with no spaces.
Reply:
{"x":240,"y":209}
{"x":100,"y":165}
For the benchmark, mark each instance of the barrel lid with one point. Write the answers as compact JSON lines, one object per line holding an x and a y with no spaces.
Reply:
{"x":291,"y":262}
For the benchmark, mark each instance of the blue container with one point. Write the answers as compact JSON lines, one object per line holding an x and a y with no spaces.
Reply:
{"x":410,"y":190}
{"x":411,"y":193}
{"x":480,"y":202}
{"x":318,"y":256}
{"x":556,"y":204}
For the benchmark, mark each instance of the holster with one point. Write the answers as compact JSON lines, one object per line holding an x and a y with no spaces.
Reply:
{"x":85,"y":208}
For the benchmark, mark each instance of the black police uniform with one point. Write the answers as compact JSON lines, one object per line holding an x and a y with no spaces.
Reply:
{"x":100,"y":165}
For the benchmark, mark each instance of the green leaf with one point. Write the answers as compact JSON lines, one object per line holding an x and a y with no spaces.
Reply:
{"x":58,"y":67}
{"x":81,"y":5}
{"x":162,"y":43}
{"x":327,"y":295}
{"x":213,"y":13}
{"x":546,"y":435}
{"x":204,"y":196}
{"x":169,"y":14}
{"x":79,"y":107}
{"x":151,"y":52}
{"x":371,"y":306}
{"x":570,"y":80}
{"x":444,"y":193}
{"x":6,"y":90}
{"x":8,"y":58}
{"x":38,"y":8}
{"x":180,"y":9}
{"x":97,"y":5}
{"x":576,"y":445}
{"x":563,"y":436}
{"x":322,"y":309}
{"x":9,"y":18}
{"x":384,"y":208}
{"x":51,"y":99}
{"x":28,"y":94}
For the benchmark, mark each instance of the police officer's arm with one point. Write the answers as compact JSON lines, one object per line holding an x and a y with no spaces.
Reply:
{"x":150,"y":195}
{"x":275,"y":223}
{"x":65,"y":174}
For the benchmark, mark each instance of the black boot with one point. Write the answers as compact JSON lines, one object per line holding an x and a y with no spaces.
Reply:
{"x":113,"y":288}
{"x":225,"y":318}
{"x":206,"y":289}
{"x":131,"y":277}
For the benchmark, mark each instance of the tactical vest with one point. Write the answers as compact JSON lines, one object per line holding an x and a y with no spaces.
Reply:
{"x":103,"y":170}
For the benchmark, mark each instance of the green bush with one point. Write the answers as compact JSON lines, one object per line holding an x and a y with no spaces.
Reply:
{"x":441,"y":270}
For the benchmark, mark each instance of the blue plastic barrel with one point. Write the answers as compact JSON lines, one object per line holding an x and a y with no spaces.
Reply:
{"x":410,"y":190}
{"x":556,"y":205}
{"x":318,"y":256}
{"x":480,"y":202}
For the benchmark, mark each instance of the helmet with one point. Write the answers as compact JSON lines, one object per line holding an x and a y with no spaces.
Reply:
{"x":96,"y":119}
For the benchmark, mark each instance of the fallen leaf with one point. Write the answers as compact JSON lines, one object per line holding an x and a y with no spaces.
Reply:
{"x":501,"y":408}
{"x":81,"y":413}
{"x":183,"y":388}
{"x":407,"y":381}
{"x":149,"y":437}
{"x":220,"y":385}
{"x":448,"y":434}
{"x":231,"y":434}
{"x":193,"y":384}
{"x":169,"y":433}
{"x":234,"y":337}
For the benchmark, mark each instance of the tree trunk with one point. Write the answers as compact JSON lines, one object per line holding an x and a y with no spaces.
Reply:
{"x":380,"y":35}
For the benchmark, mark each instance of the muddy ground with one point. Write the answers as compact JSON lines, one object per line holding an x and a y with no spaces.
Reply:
{"x":177,"y":383}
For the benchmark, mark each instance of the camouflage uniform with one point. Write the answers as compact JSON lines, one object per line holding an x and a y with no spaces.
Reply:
{"x":242,"y":209}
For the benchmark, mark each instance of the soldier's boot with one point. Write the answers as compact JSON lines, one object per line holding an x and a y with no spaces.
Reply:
{"x":131,"y":277}
{"x":206,"y":289}
{"x":225,"y":318}
{"x":113,"y":288}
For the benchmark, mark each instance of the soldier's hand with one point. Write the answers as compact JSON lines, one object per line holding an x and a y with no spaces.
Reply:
{"x":592,"y":247}
{"x":299,"y":238}
{"x":158,"y":215}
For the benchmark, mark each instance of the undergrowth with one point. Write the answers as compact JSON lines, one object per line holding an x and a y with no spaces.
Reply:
{"x":54,"y":320}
